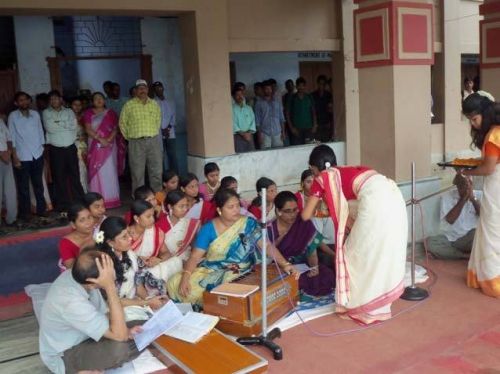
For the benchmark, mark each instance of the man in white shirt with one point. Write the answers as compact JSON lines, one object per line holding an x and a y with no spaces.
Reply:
{"x":7,"y":183}
{"x":167,"y":128}
{"x":28,"y":140}
{"x":76,"y":334}
{"x":61,"y":126}
{"x":459,"y":214}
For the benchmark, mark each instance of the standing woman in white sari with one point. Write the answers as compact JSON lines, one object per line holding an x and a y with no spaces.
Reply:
{"x":484,"y":264}
{"x":370,"y":259}
{"x":181,"y":230}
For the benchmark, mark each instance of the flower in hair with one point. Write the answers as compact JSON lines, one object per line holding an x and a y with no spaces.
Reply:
{"x":327,"y":165}
{"x":99,"y":237}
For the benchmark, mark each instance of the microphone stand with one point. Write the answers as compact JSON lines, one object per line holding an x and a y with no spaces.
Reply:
{"x":266,"y":338}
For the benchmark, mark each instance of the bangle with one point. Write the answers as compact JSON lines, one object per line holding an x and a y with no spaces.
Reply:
{"x":187,"y":272}
{"x":285,"y":264}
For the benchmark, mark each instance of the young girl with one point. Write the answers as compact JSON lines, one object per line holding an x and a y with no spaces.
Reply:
{"x":170,"y":183}
{"x":148,"y":243}
{"x":484,"y":263}
{"x":181,"y":230}
{"x":70,"y":245}
{"x":147,"y":194}
{"x":210,"y":186}
{"x":95,"y":204}
{"x":370,"y":263}
{"x":114,"y":240}
{"x":271,"y":192}
{"x":321,"y":220}
{"x":199,"y":209}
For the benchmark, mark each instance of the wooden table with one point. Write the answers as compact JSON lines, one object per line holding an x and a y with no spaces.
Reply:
{"x":214,"y":354}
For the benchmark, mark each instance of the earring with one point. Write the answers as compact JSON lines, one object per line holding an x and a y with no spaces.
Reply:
{"x":219,"y":211}
{"x":279,"y":213}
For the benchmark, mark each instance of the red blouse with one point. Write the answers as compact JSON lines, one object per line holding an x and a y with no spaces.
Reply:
{"x":347,"y":174}
{"x":68,"y":250}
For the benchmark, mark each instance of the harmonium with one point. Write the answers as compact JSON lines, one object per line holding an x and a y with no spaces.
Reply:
{"x":242,"y":315}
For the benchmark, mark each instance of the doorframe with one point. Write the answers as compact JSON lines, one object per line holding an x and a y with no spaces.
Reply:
{"x":53,"y":63}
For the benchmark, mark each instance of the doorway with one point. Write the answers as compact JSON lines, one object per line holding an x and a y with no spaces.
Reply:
{"x":310,"y":70}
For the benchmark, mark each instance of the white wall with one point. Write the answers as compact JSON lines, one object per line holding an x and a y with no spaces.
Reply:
{"x":161,"y":39}
{"x":34,"y":42}
{"x":469,"y":26}
{"x":283,"y":165}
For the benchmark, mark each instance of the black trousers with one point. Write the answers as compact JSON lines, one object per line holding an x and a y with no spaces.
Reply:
{"x":30,"y":170}
{"x":303,"y":135}
{"x":65,"y":175}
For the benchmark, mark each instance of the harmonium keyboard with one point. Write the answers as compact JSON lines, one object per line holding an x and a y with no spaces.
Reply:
{"x":242,"y":316}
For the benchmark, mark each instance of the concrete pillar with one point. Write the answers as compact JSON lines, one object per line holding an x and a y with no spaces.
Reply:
{"x":490,"y":47}
{"x":34,"y":43}
{"x":393,"y":52}
{"x":206,"y":77}
{"x":348,"y":100}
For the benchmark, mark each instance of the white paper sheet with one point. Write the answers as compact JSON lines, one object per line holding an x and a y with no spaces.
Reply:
{"x":301,"y":268}
{"x":164,"y":319}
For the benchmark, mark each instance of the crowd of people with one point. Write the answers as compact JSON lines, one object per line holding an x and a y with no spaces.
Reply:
{"x":269,"y":120}
{"x":180,"y":237}
{"x":67,"y":146}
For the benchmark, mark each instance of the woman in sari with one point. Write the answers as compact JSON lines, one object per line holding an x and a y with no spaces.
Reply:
{"x":81,"y":141}
{"x":181,"y":230}
{"x":80,"y":237}
{"x":298,"y":241}
{"x":114,"y":240}
{"x":148,"y":243}
{"x":199,"y":209}
{"x":370,"y":260}
{"x":484,"y":263}
{"x":225,"y":248}
{"x":106,"y":151}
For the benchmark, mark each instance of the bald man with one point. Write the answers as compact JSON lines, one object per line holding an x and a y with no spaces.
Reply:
{"x":76,"y":333}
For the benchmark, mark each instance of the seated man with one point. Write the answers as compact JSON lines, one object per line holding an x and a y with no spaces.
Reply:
{"x":459,"y":213}
{"x":76,"y":334}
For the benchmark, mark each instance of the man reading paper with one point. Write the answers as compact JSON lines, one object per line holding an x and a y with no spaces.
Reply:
{"x":76,"y":334}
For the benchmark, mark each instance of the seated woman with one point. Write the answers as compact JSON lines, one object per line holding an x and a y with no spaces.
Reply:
{"x":223,"y":251}
{"x":321,"y":219}
{"x":170,"y":183}
{"x":271,"y":191}
{"x":181,"y":230}
{"x":146,"y":194}
{"x":198,"y":208}
{"x":231,"y":183}
{"x":148,"y":243}
{"x":70,"y":245}
{"x":114,"y":239}
{"x":297,"y":241}
{"x":95,"y":204}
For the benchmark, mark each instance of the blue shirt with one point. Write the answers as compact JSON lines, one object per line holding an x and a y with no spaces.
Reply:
{"x":70,"y":315}
{"x":167,"y":116}
{"x":27,"y":134}
{"x":269,"y":116}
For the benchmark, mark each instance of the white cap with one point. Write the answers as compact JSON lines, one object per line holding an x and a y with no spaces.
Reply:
{"x":141,"y":82}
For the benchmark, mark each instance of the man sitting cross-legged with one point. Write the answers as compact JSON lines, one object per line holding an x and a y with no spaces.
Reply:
{"x":76,"y":334}
{"x":459,"y":213}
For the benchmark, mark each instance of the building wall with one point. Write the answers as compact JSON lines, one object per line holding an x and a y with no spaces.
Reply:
{"x":469,"y":26}
{"x":282,"y":25}
{"x":32,"y":52}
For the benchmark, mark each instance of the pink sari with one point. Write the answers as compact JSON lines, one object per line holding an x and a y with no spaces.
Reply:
{"x":105,"y":163}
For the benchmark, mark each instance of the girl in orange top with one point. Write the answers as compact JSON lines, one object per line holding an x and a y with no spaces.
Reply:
{"x":484,"y":263}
